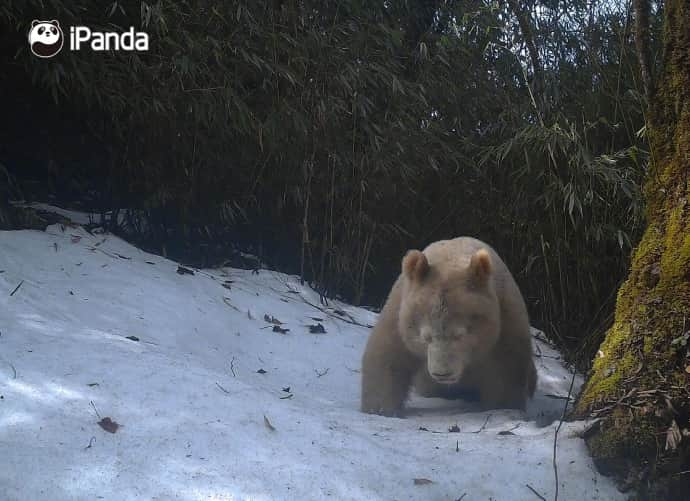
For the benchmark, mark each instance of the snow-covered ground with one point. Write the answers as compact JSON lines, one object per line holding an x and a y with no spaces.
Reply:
{"x":213,"y":403}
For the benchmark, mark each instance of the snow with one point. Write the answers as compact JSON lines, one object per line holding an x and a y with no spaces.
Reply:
{"x":199,"y":422}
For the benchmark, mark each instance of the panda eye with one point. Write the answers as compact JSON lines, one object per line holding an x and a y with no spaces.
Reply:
{"x":53,"y":30}
{"x":41,"y":30}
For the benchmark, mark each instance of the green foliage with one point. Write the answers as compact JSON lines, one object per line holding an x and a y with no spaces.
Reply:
{"x":354,"y":130}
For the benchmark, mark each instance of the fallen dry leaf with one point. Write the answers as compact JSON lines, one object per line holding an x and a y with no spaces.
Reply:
{"x":108,"y":425}
{"x":279,"y":329}
{"x":422,"y":481}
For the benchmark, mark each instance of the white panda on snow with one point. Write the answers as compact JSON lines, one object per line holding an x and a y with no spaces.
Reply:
{"x":45,"y":38}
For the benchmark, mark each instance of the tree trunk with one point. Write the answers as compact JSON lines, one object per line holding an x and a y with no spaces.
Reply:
{"x":642,"y":9}
{"x":640,"y":382}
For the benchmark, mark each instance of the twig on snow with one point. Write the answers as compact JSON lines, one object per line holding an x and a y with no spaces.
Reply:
{"x":222,"y":389}
{"x":91,"y":442}
{"x":350,"y":320}
{"x":96,"y":410}
{"x":484,"y":425}
{"x":226,"y":300}
{"x":555,"y":436}
{"x":16,"y":288}
{"x":232,"y":367}
{"x":535,"y":492}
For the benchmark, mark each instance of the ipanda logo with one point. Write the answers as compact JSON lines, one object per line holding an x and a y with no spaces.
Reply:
{"x":46,"y":39}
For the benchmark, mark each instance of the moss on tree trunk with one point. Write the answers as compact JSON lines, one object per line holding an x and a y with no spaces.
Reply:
{"x":640,"y":381}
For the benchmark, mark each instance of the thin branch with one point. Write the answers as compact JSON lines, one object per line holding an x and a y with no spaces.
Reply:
{"x":483,"y":427}
{"x":232,"y":367}
{"x":555,"y":436}
{"x":16,"y":288}
{"x":535,"y":492}
{"x":94,"y":408}
{"x":223,"y":389}
{"x":91,"y":442}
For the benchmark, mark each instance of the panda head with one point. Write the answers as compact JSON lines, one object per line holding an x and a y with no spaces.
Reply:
{"x":45,"y":38}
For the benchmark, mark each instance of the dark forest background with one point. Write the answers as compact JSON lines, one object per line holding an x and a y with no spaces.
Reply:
{"x":329,"y":137}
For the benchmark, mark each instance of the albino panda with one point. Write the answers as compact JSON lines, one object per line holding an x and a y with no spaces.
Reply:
{"x":45,"y":38}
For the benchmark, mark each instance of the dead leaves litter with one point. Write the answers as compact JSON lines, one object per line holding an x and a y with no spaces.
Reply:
{"x":108,"y":425}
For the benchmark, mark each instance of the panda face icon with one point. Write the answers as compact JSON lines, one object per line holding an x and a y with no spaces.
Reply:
{"x":45,"y":38}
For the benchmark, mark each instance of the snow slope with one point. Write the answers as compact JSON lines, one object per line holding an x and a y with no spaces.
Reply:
{"x":213,"y":404}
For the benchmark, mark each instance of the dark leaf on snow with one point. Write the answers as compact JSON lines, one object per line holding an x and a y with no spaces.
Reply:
{"x":277,"y":328}
{"x":261,"y":371}
{"x":108,"y":425}
{"x":422,"y":481}
{"x":454,"y":429}
{"x":133,"y":338}
{"x":317,"y":329}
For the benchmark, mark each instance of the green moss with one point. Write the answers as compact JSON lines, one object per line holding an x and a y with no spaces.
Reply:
{"x":652,"y":305}
{"x":675,"y":262}
{"x":624,"y":437}
{"x":608,"y":369}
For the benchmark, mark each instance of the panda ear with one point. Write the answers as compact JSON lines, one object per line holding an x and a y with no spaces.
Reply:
{"x":35,"y":22}
{"x":480,"y":266}
{"x":415,"y":266}
{"x":55,"y":22}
